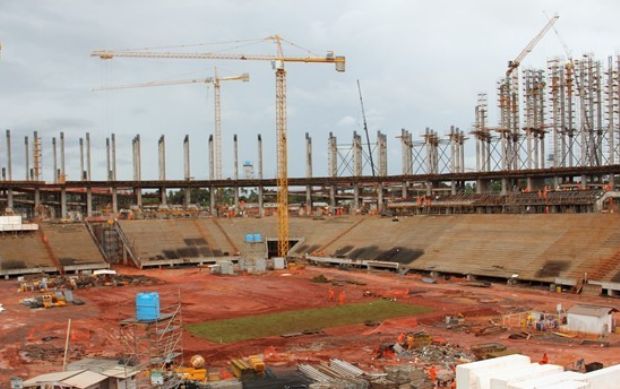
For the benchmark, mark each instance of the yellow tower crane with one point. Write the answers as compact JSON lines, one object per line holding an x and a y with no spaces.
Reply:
{"x":278,"y":61}
{"x":215,"y":81}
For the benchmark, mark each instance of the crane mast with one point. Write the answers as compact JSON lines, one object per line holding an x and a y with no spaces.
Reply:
{"x":281,"y":131}
{"x":372,"y":162}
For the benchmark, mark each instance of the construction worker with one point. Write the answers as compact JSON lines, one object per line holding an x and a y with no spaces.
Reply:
{"x":410,"y":342}
{"x":432,"y":374}
{"x":342,"y":297}
{"x":544,"y":360}
{"x":331,"y":295}
{"x":401,"y":339}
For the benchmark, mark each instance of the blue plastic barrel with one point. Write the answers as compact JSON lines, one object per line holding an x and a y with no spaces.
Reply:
{"x":147,"y":306}
{"x":258,"y":238}
{"x":249,"y":237}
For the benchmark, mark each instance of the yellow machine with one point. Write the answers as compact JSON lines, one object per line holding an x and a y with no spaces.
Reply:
{"x":50,"y":300}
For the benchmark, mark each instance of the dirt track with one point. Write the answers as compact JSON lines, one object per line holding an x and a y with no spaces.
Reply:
{"x":206,"y":297}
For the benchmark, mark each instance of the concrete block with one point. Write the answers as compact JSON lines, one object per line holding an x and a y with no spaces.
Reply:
{"x":607,"y":378}
{"x":533,"y":371}
{"x":536,"y":382}
{"x":466,"y":373}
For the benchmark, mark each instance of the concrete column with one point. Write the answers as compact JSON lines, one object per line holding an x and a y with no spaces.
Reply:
{"x":10,"y":204}
{"x":9,"y":159}
{"x":212,"y":204}
{"x":429,"y":188}
{"x":357,"y":154}
{"x":27,"y":158}
{"x":163,"y":199}
{"x":260,"y":157}
{"x":380,"y":197}
{"x":404,"y":193}
{"x":186,"y":167}
{"x":453,"y":187}
{"x":88,"y":159}
{"x":63,"y":203}
{"x":211,"y":156}
{"x":332,"y":156}
{"x":113,"y":156}
{"x":504,"y":187}
{"x":82,"y":177}
{"x":236,"y":171}
{"x":139,"y":157}
{"x":332,"y":196}
{"x":356,"y":199}
{"x":108,"y":167}
{"x":89,"y":201}
{"x":261,"y":209}
{"x":37,"y":201}
{"x":36,"y":156}
{"x":138,"y":192}
{"x":55,"y":161}
{"x":63,"y":173}
{"x":114,"y":201}
{"x":137,"y":169}
{"x":382,"y":146}
{"x":309,"y":200}
{"x":161,"y":152}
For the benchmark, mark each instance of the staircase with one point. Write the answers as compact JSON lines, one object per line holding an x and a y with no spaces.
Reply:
{"x":50,"y":252}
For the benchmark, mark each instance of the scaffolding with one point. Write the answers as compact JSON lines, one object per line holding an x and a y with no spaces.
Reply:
{"x":154,"y":347}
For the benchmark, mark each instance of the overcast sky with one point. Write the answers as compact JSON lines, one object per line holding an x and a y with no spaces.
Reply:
{"x":421,"y":63}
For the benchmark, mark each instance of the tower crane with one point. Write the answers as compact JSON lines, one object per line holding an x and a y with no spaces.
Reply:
{"x":512,"y":65}
{"x":278,"y":60}
{"x":215,"y":81}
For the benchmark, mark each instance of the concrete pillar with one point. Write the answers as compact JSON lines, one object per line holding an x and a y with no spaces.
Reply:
{"x":114,"y":201}
{"x":55,"y":161}
{"x":236,"y":170}
{"x":380,"y":197}
{"x":186,"y":167}
{"x":211,"y":156}
{"x":27,"y":158}
{"x":404,"y":190}
{"x":332,"y":197}
{"x":37,"y":201}
{"x":429,"y":188}
{"x":382,"y":146}
{"x":309,"y":200}
{"x":163,"y":198}
{"x":308,"y":156}
{"x":88,"y":159}
{"x":138,"y":192}
{"x":356,"y":199}
{"x":137,"y":159}
{"x":63,"y":172}
{"x":332,"y":156}
{"x":357,"y":154}
{"x":212,"y":205}
{"x":82,"y":175}
{"x":260,"y":157}
{"x":453,"y":187}
{"x":10,"y":203}
{"x":63,"y":203}
{"x":9,"y":159}
{"x":261,"y":209}
{"x":108,"y":159}
{"x":36,"y":156}
{"x":504,"y":187}
{"x":113,"y":155}
{"x":161,"y":152}
{"x":89,"y":201}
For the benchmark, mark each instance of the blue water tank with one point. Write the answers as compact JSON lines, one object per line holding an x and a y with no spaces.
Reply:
{"x":147,"y":306}
{"x":249,"y":237}
{"x":258,"y":238}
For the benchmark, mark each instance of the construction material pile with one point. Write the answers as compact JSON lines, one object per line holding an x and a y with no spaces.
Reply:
{"x":97,"y":278}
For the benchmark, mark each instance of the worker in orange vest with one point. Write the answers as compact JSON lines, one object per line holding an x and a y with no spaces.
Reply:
{"x":331,"y":295}
{"x":544,"y":360}
{"x":432,"y":374}
{"x":342,"y":297}
{"x":401,"y":339}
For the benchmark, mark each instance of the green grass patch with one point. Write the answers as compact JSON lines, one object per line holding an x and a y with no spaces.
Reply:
{"x":273,"y":324}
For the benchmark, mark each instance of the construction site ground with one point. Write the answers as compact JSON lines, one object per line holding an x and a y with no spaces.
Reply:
{"x":32,"y":340}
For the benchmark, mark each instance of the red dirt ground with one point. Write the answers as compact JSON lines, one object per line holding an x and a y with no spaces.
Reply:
{"x":205,"y":297}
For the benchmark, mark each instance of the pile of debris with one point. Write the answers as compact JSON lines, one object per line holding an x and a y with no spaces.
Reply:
{"x":97,"y":278}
